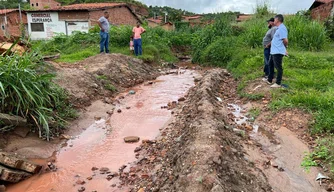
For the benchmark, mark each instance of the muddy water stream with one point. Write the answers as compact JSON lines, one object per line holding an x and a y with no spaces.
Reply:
{"x":280,"y":156}
{"x":102,"y":145}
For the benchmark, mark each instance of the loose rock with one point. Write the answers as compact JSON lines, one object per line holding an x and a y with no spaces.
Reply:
{"x":80,"y":182}
{"x":95,"y":168}
{"x":131,"y":139}
{"x":89,"y":178}
{"x":103,"y":170}
{"x":181,"y":99}
{"x":82,"y":189}
{"x":137,"y":149}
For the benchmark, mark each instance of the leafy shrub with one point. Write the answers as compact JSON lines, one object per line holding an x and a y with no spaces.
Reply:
{"x":306,"y":34}
{"x":255,"y":29}
{"x":219,"y":52}
{"x":120,"y":35}
{"x":203,"y":38}
{"x":25,"y":92}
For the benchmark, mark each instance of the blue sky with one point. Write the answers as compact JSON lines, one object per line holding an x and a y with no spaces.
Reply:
{"x":243,"y":6}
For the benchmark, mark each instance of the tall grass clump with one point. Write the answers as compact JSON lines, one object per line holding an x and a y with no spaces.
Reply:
{"x":262,"y":9}
{"x":255,"y":29}
{"x":306,"y":34}
{"x":222,"y":28}
{"x":25,"y":92}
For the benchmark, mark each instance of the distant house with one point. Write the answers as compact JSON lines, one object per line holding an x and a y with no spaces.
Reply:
{"x":10,"y":23}
{"x":154,"y":22}
{"x":193,"y":20}
{"x":159,"y":22}
{"x":46,"y":23}
{"x":244,"y":17}
{"x":44,"y":4}
{"x":322,"y":9}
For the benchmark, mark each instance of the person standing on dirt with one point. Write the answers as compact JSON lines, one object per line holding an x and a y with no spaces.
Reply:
{"x":278,"y":50}
{"x":267,"y":44}
{"x":104,"y":33}
{"x":137,"y":32}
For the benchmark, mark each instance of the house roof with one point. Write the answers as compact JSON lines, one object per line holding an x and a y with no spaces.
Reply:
{"x":5,"y":11}
{"x":192,"y":17}
{"x":83,"y":7}
{"x":317,"y":3}
{"x":158,"y":21}
{"x":87,"y":7}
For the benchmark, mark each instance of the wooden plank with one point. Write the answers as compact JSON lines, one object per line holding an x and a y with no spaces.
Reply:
{"x":14,"y":162}
{"x":12,"y":176}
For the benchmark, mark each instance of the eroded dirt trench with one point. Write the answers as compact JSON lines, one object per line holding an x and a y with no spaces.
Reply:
{"x":208,"y":145}
{"x":101,"y":144}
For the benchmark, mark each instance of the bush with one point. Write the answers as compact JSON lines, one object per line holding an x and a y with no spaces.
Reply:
{"x":220,"y":52}
{"x":255,"y":29}
{"x":203,"y":38}
{"x":120,"y":36}
{"x":29,"y":94}
{"x":305,"y":34}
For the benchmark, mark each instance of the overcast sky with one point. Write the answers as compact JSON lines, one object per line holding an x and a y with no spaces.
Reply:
{"x":243,"y":6}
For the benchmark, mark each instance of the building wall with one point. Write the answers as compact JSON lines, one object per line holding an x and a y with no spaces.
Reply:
{"x":42,"y":4}
{"x":168,"y":27}
{"x":117,"y":16}
{"x":152,"y":24}
{"x":51,"y":25}
{"x":12,"y":28}
{"x":323,"y":11}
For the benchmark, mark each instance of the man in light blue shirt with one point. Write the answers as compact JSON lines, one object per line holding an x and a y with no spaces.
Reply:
{"x":267,"y":44}
{"x":104,"y":33}
{"x":277,"y":51}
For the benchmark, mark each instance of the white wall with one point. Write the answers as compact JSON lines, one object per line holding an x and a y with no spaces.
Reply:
{"x":51,"y":22}
{"x":77,"y":26}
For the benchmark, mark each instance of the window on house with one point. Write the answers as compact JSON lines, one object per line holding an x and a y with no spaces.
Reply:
{"x":36,"y":4}
{"x":2,"y":27}
{"x":32,"y":4}
{"x":37,"y":27}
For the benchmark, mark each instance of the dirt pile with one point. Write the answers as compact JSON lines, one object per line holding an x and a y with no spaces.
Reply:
{"x":102,"y":76}
{"x":197,"y":151}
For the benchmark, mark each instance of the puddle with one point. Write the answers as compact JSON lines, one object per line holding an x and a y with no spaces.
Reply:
{"x":284,"y":153}
{"x":102,"y":145}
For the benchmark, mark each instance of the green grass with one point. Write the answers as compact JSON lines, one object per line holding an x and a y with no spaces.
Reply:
{"x":254,"y":112}
{"x":27,"y":90}
{"x":323,"y":152}
{"x":110,"y":87}
{"x":77,"y":56}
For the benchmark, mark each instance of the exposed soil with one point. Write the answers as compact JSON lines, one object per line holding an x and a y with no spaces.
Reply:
{"x":197,"y":151}
{"x":102,"y":76}
{"x":203,"y":141}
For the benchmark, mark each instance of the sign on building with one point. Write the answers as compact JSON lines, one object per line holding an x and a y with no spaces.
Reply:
{"x":44,"y":25}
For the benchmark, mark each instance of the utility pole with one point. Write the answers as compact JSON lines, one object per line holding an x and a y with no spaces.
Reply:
{"x":166,"y":13}
{"x":20,"y":12}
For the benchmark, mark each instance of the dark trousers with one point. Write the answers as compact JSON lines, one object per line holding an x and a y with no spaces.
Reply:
{"x":266,"y":61}
{"x":137,"y":45}
{"x":104,"y":43}
{"x":275,"y":61}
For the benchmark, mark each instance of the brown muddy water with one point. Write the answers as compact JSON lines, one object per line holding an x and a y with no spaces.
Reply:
{"x":101,"y":144}
{"x":279,"y":157}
